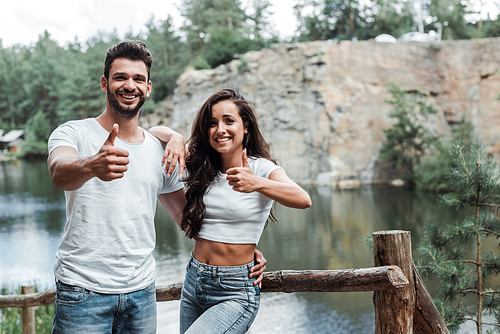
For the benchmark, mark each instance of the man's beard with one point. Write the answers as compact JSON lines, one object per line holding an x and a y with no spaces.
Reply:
{"x":124,"y":112}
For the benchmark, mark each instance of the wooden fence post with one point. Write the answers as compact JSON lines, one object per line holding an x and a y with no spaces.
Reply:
{"x":394,"y":308}
{"x":426,"y":318}
{"x":28,"y":313}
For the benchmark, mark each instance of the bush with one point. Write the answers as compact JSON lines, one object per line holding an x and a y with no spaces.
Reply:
{"x":200,"y":63}
{"x":408,"y":140}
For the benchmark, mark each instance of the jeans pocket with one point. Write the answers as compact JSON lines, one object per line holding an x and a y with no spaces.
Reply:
{"x":71,"y":294}
{"x":233,"y":283}
{"x":150,"y":289}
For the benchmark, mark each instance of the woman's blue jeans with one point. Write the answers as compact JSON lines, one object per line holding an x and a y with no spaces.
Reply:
{"x":218,"y":299}
{"x":80,"y":311}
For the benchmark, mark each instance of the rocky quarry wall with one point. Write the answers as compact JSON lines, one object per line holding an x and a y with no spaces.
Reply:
{"x":321,"y":105}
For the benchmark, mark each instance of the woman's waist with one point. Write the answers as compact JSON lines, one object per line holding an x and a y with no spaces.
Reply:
{"x":221,"y":254}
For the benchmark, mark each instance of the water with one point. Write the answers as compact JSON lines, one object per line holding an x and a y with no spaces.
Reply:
{"x":330,"y":235}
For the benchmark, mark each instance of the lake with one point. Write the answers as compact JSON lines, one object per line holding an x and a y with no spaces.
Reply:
{"x":329,"y":235}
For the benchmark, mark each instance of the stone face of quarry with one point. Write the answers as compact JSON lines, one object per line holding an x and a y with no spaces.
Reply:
{"x":322,"y":105}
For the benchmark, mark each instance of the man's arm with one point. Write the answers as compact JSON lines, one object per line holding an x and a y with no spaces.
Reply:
{"x":174,"y":203}
{"x":258,"y":269}
{"x":69,"y":172}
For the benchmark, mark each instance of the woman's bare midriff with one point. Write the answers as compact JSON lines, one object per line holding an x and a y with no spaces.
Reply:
{"x":221,"y":254}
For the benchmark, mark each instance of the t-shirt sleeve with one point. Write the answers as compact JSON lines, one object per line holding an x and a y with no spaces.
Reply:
{"x":263,"y":167}
{"x":172,"y":183}
{"x":64,"y":135}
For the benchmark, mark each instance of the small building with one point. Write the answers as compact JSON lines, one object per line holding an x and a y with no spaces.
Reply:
{"x":11,"y":140}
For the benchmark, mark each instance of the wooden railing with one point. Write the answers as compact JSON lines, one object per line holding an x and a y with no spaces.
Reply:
{"x":402,"y":303}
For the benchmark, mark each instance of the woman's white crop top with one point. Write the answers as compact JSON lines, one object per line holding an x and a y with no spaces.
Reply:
{"x":233,"y":217}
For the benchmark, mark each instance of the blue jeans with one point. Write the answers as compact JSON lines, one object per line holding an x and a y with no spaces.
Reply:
{"x":80,"y":311}
{"x":217,"y":299}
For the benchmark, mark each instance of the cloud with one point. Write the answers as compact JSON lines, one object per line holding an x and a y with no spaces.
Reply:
{"x":23,"y":21}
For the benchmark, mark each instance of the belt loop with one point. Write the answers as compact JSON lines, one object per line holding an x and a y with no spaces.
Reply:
{"x":214,"y":272}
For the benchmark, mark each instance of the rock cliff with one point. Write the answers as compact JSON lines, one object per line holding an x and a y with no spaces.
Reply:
{"x":321,"y":105}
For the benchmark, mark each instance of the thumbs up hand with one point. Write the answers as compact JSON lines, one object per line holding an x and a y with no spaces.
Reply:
{"x":244,"y":159}
{"x":110,"y":162}
{"x":242,"y":179}
{"x":112,"y":136}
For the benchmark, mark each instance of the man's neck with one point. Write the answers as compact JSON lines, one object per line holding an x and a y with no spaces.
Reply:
{"x":128,"y":130}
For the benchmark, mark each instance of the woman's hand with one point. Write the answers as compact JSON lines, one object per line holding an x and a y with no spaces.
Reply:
{"x":242,"y":179}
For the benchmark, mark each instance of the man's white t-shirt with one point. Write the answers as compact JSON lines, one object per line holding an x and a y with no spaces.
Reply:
{"x":109,"y":236}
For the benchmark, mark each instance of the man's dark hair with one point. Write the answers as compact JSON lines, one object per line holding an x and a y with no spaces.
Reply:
{"x":133,"y":50}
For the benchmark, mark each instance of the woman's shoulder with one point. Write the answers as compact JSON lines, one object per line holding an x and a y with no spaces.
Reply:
{"x":260,"y":161}
{"x":262,"y":166}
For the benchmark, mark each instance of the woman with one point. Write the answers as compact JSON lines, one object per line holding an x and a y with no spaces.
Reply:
{"x":231,"y":184}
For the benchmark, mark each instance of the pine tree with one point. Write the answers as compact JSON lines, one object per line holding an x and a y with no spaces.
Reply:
{"x":430,"y":174}
{"x":446,"y":251}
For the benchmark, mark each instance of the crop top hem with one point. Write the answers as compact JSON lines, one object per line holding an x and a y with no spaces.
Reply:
{"x":229,"y":241}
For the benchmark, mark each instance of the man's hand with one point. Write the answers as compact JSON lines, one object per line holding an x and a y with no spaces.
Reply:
{"x":70,"y":172}
{"x":110,"y":162}
{"x":174,"y":152}
{"x":258,"y":269}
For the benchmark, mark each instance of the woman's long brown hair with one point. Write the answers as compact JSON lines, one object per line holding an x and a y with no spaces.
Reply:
{"x":203,"y":162}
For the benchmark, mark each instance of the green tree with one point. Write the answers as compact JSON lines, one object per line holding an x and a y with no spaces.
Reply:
{"x":491,"y":28}
{"x":14,"y":92}
{"x":451,"y":12}
{"x":314,"y":26}
{"x":408,"y":139}
{"x":394,"y":17}
{"x":202,"y":16}
{"x":430,"y":174}
{"x":218,"y":29}
{"x":46,"y":67}
{"x":258,"y":22}
{"x":224,"y":43}
{"x":344,"y":19}
{"x":445,"y":249}
{"x":170,"y":58}
{"x":36,"y":135}
{"x":80,"y":94}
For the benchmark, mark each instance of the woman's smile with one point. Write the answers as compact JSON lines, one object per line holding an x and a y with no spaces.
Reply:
{"x":226,"y":128}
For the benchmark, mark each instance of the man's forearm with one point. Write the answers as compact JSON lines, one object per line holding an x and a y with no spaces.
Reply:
{"x":69,"y":173}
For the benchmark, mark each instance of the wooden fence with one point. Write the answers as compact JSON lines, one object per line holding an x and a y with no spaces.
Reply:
{"x":402,"y":303}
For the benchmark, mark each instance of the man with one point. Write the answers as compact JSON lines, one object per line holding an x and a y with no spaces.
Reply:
{"x":111,"y":172}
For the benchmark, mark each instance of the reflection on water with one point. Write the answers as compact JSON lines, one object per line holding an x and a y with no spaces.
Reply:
{"x":327,"y":236}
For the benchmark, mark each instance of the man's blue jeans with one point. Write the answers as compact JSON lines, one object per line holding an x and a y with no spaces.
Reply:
{"x":218,"y":299}
{"x":80,"y":311}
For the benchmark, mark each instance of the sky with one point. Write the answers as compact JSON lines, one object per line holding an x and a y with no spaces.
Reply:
{"x":22,"y":21}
